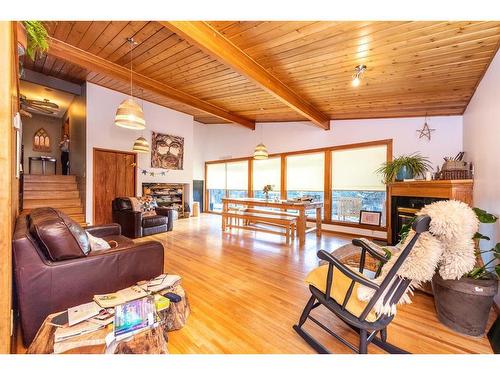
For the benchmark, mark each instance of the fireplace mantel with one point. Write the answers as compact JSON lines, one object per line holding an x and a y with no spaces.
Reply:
{"x":460,"y":190}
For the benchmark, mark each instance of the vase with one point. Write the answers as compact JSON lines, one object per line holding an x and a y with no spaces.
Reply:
{"x":404,"y":173}
{"x":266,"y":195}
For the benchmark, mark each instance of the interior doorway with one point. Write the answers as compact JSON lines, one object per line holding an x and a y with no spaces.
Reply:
{"x":114,"y":176}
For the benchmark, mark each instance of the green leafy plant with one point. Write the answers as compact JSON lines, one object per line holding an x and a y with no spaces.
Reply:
{"x":415,"y":163}
{"x":405,"y":229}
{"x":481,"y":270}
{"x":37,"y":38}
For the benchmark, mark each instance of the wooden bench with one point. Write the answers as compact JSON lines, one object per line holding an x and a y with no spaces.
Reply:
{"x":279,"y":212}
{"x":245,"y":219}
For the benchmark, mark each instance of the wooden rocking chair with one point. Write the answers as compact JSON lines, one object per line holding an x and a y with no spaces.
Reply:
{"x":366,"y":324}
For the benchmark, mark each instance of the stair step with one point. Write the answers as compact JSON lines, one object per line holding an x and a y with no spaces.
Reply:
{"x":55,"y":203}
{"x":52,"y":186}
{"x":66,"y":210}
{"x":48,"y":178}
{"x":79,"y":218}
{"x":51,"y":195}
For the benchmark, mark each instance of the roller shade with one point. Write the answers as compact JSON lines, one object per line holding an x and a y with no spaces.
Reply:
{"x":237,"y":175}
{"x":354,"y":169}
{"x":216,"y":176}
{"x":267,"y":172}
{"x":305,"y":172}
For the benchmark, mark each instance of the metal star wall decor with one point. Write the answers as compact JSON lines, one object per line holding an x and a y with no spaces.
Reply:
{"x":425,"y":131}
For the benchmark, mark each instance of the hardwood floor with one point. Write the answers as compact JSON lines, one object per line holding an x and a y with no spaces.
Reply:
{"x":246,"y":291}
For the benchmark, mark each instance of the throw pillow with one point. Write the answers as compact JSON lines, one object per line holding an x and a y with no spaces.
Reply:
{"x":148,"y":205}
{"x":97,"y":243}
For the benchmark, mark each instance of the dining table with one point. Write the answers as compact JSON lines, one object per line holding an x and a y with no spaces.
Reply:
{"x":283,"y":205}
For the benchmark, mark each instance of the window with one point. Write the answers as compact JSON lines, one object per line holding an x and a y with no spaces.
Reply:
{"x":237,"y":179}
{"x":305,"y":176}
{"x":41,"y":141}
{"x":226,"y":180}
{"x":267,"y":172}
{"x":355,"y":184}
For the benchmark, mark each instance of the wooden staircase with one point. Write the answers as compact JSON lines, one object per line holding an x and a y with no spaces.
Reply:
{"x":55,"y":191}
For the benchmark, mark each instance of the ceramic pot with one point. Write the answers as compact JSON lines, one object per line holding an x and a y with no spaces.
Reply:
{"x":464,"y":305}
{"x":404,"y":173}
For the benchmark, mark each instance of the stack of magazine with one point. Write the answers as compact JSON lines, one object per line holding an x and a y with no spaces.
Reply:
{"x":132,"y":310}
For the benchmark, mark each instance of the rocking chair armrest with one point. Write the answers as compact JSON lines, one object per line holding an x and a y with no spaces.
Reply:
{"x":323,"y":255}
{"x":367,"y":248}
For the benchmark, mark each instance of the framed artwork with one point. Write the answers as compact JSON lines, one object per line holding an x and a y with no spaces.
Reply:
{"x":167,"y":151}
{"x":370,"y":217}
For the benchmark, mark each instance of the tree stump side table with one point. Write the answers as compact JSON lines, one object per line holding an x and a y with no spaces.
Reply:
{"x":153,"y":341}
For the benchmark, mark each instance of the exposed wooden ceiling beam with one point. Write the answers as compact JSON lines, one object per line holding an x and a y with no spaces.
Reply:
{"x":217,"y":45}
{"x":97,"y":64}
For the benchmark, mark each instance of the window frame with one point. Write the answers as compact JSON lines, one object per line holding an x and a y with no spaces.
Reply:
{"x":327,"y":178}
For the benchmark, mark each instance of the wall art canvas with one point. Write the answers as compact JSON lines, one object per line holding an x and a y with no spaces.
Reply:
{"x":167,"y":151}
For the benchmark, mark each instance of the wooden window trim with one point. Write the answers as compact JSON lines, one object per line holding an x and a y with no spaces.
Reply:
{"x":327,"y":176}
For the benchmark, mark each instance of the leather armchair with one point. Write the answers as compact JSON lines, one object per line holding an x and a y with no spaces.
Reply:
{"x":135,"y":225}
{"x":44,"y":286}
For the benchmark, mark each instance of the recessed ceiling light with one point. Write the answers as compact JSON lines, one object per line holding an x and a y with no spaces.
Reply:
{"x":358,"y":74}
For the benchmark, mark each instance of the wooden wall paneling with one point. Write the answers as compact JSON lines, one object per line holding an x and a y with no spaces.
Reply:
{"x":96,"y":63}
{"x":8,"y":209}
{"x":209,"y":40}
{"x":414,"y":67}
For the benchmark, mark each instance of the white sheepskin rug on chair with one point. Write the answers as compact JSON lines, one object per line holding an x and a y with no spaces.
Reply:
{"x":448,"y":245}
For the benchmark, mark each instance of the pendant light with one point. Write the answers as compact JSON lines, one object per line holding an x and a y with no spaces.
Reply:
{"x":141,"y":144}
{"x":129,"y":115}
{"x":260,"y":152}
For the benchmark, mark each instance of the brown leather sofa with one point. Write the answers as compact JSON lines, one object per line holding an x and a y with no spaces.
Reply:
{"x":135,"y":225}
{"x":54,"y":268}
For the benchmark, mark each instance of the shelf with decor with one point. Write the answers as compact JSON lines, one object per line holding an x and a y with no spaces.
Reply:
{"x":167,"y":195}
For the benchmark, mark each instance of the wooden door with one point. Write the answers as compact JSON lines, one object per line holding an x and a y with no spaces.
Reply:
{"x":114,"y":176}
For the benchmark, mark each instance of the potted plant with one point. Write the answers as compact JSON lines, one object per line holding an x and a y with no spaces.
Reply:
{"x":404,"y":167}
{"x":31,"y":37}
{"x":464,"y":304}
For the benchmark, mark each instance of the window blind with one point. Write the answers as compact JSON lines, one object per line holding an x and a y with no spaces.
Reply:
{"x":237,"y":175}
{"x":354,"y":169}
{"x":305,"y":172}
{"x":216,"y":176}
{"x":267,"y":172}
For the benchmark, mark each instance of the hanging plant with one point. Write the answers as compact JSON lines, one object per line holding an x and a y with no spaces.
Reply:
{"x":37,"y":38}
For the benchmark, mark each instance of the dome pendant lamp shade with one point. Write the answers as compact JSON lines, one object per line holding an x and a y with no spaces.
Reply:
{"x":141,"y":145}
{"x":260,"y":152}
{"x":130,"y":115}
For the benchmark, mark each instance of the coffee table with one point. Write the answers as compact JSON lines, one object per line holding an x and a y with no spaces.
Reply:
{"x":152,"y":341}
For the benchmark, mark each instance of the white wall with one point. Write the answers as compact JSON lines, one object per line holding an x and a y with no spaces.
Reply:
{"x":199,"y":145}
{"x":229,"y":141}
{"x":102,"y":133}
{"x":481,"y":144}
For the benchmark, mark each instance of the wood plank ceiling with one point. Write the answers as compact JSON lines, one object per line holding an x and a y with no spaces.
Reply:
{"x":413,"y":67}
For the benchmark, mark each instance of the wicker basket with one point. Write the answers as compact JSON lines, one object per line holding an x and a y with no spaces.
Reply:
{"x":455,"y":174}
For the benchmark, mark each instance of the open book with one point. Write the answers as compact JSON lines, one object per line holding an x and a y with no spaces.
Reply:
{"x":161,"y":282}
{"x":120,"y":297}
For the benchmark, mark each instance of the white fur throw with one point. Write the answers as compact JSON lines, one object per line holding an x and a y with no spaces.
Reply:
{"x":448,"y":245}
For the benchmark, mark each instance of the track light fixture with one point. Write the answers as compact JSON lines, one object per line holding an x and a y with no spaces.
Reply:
{"x":358,"y":74}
